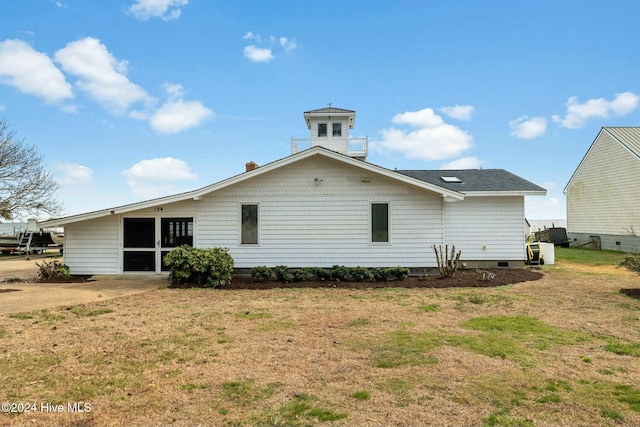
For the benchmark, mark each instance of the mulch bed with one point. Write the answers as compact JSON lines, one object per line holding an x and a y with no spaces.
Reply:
{"x":462,"y":278}
{"x":633,"y":292}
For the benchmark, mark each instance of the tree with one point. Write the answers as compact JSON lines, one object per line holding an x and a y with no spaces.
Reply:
{"x":26,"y":188}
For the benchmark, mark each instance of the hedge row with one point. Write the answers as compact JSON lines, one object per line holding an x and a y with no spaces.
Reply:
{"x":338,"y":273}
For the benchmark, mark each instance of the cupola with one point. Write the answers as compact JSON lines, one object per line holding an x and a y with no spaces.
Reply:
{"x":329,"y":128}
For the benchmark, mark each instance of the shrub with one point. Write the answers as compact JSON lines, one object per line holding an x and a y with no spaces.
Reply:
{"x":631,"y":262}
{"x":359,"y":274}
{"x":282,"y":273}
{"x":380,"y":274}
{"x":261,"y":273}
{"x":53,"y":270}
{"x":400,"y":273}
{"x":320,"y":273}
{"x":340,"y":273}
{"x":300,"y":275}
{"x":211,"y":267}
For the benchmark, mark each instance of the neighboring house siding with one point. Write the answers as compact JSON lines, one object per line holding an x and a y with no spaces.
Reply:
{"x":603,"y":197}
{"x":486,"y":228}
{"x":93,"y":247}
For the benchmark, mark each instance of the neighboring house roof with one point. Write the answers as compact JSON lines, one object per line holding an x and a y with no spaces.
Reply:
{"x":628,"y":137}
{"x":489,"y":182}
{"x":482,"y":181}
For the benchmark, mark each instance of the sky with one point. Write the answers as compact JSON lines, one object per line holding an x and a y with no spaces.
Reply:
{"x":128,"y":100}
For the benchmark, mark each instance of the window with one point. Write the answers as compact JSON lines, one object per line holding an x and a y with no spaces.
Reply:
{"x":322,"y":129}
{"x":176,"y":232}
{"x":337,"y":129}
{"x":249,"y":225}
{"x":380,"y":222}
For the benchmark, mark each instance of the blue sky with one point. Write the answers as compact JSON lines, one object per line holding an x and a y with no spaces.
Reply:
{"x":136,"y":99}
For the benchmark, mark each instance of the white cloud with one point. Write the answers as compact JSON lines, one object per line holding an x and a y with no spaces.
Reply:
{"x":287,"y":44}
{"x":463,"y":163}
{"x":166,"y":10}
{"x":61,"y":5}
{"x":174,"y":90}
{"x":101,"y":75}
{"x":528,"y":128}
{"x":257,"y":54}
{"x":72,"y":174}
{"x":578,"y":114}
{"x":459,"y":112}
{"x":32,"y":72}
{"x":433,"y":139}
{"x":178,"y":115}
{"x":155,"y":177}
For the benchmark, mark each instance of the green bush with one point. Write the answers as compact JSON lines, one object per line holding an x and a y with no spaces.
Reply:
{"x":380,"y":274}
{"x":53,"y":270}
{"x":300,"y":275}
{"x":359,"y":274}
{"x":262,"y":273}
{"x":211,"y":267}
{"x":320,"y":273}
{"x":282,"y":273}
{"x":340,"y":273}
{"x":631,"y":262}
{"x":400,"y":273}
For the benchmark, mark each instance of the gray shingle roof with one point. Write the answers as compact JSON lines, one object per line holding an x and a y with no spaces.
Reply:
{"x":330,"y":110}
{"x":498,"y":180}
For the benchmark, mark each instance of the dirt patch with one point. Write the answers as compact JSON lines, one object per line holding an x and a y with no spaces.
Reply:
{"x":462,"y":279}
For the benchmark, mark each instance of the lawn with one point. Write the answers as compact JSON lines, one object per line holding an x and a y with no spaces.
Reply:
{"x":562,"y":350}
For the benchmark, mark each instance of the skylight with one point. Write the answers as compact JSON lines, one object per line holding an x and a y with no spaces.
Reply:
{"x":450,"y":179}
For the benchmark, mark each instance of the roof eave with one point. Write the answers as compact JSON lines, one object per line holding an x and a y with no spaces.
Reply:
{"x":197,"y":194}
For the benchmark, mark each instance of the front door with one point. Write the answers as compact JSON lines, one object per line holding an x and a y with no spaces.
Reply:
{"x":147,"y":240}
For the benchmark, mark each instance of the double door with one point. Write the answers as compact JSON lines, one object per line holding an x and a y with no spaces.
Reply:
{"x":146,"y":241}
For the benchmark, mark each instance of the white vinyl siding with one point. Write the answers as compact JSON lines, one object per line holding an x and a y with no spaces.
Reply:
{"x":486,"y":228}
{"x":603,"y":196}
{"x":317,"y":212}
{"x":93,"y":247}
{"x":304,"y":224}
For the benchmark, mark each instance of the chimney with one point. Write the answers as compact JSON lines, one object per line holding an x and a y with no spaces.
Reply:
{"x":251,"y":166}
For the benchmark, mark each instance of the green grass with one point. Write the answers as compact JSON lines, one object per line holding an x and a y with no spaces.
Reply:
{"x":83,"y":311}
{"x":361,"y":395}
{"x":302,"y":410}
{"x":632,"y":349}
{"x":513,"y":337}
{"x":245,"y":393}
{"x":21,"y":316}
{"x":589,"y":256}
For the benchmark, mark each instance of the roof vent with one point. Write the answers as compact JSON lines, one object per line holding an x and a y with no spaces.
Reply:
{"x":450,"y":179}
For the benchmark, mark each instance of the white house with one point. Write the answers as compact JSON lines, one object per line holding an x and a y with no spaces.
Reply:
{"x":321,"y":206}
{"x":603,"y":195}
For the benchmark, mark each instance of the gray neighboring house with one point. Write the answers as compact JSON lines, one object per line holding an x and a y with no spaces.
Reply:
{"x":603,"y":195}
{"x":323,"y":205}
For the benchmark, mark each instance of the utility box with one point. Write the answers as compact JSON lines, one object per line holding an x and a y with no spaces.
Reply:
{"x":549,"y":252}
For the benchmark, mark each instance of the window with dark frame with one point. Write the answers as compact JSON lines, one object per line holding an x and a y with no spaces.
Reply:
{"x":380,"y":222}
{"x":322,"y":129}
{"x":337,"y":129}
{"x":176,"y":232}
{"x":249,"y":225}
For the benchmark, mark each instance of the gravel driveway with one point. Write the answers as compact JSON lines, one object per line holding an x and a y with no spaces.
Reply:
{"x":28,"y":295}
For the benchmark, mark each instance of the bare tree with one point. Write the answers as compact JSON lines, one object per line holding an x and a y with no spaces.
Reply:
{"x":26,"y":188}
